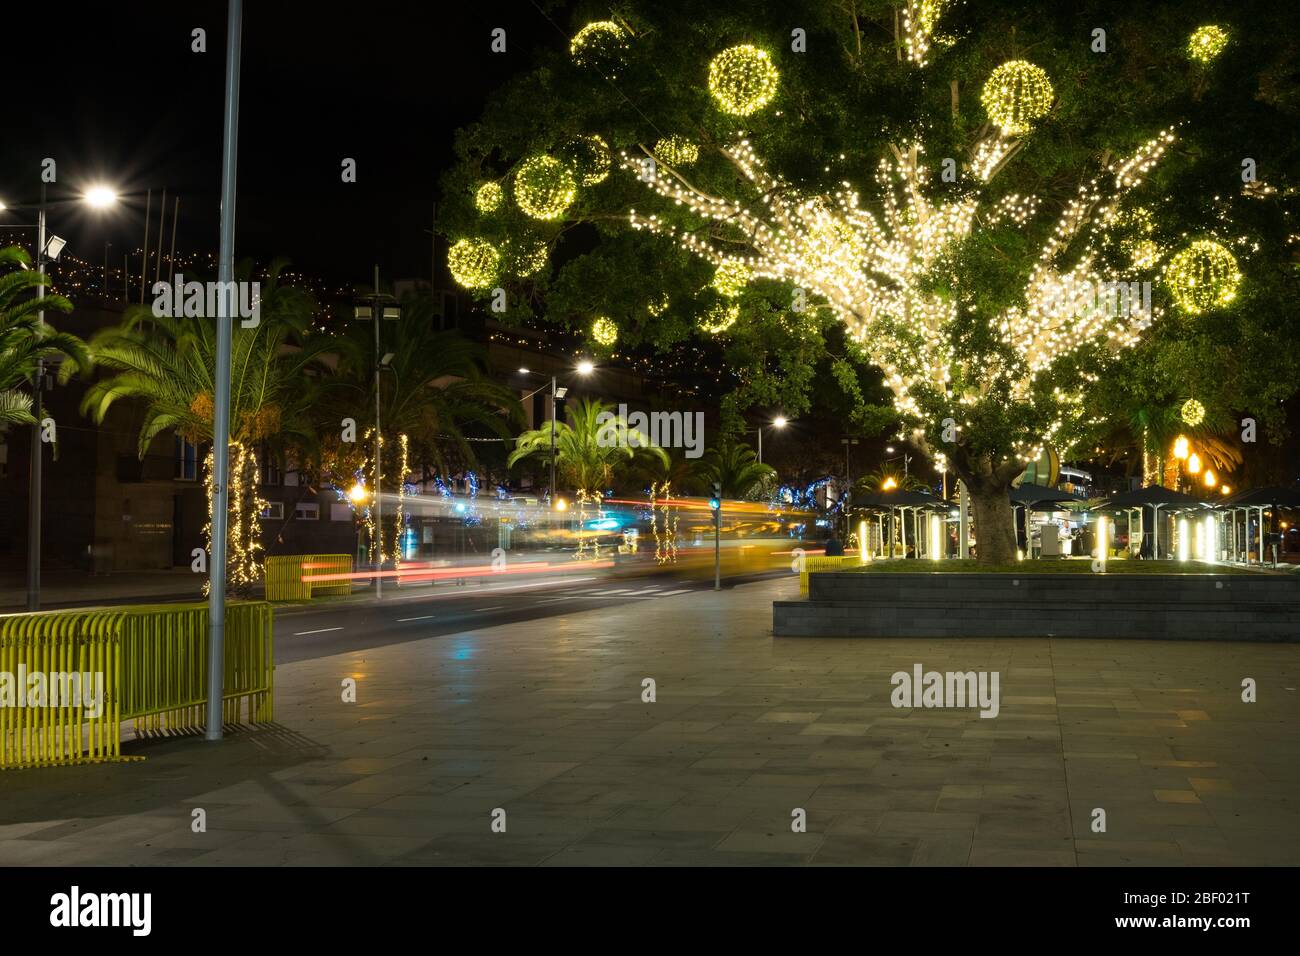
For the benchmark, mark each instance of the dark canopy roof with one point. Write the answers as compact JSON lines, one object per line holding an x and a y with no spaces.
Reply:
{"x":1030,"y":494}
{"x":898,"y":499}
{"x":1276,"y":496}
{"x":1148,"y":497}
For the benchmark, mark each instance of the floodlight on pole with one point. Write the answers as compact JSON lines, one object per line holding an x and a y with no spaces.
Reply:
{"x":99,"y":197}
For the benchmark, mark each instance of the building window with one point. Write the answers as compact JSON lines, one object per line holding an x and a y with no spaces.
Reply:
{"x":274,"y":510}
{"x":186,"y":455}
{"x":307,"y":511}
{"x":270,"y":469}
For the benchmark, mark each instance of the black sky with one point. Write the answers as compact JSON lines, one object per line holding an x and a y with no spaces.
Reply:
{"x":120,"y":97}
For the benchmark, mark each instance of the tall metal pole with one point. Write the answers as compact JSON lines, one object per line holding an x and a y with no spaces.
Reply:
{"x":144,"y":265}
{"x":38,"y":447}
{"x":552,"y":442}
{"x":760,"y":444}
{"x":379,"y":501}
{"x":221,"y":415}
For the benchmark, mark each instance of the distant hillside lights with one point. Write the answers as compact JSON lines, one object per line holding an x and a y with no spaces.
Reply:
{"x":198,"y":300}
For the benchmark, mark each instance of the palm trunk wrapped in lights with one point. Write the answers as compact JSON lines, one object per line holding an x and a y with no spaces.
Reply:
{"x":244,"y":527}
{"x":661,"y":504}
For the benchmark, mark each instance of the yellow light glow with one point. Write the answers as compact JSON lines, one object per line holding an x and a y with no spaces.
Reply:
{"x":1181,"y":449}
{"x":1192,"y":412}
{"x":731,"y":278}
{"x":561,"y":504}
{"x":677,"y":151}
{"x":720,"y":318}
{"x":489,"y":197}
{"x":1225,"y":489}
{"x":936,"y":538}
{"x":585,"y":367}
{"x":863,"y":556}
{"x":1206,"y":43}
{"x":1015,"y":95}
{"x":1103,"y":539}
{"x":1210,"y":479}
{"x":1209,"y":540}
{"x":604,"y":331}
{"x":358,"y":493}
{"x":473,"y":263}
{"x":526,"y":257}
{"x":544,"y":187}
{"x":1193,"y":464}
{"x":600,"y":45}
{"x":742,"y":79}
{"x":1184,"y":544}
{"x":589,"y":157}
{"x":1203,"y":276}
{"x":889,"y":484}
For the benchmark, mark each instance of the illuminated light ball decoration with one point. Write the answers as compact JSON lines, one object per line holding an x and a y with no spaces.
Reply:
{"x":1143,"y":252}
{"x":659,"y":306}
{"x":489,"y":197}
{"x":544,"y":187}
{"x":1192,"y":412}
{"x":474,"y":263}
{"x":1206,"y":43}
{"x":589,"y":157}
{"x":1202,"y":276}
{"x":1015,"y":95}
{"x":527,"y":257}
{"x":600,"y":46}
{"x":720,"y":318}
{"x":677,"y":151}
{"x":604,"y":331}
{"x":731,"y":278}
{"x":743,"y":79}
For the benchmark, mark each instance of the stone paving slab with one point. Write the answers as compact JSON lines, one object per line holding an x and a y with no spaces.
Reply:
{"x":544,"y":720}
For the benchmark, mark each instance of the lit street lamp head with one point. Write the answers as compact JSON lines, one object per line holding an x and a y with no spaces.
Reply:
{"x":100,"y":197}
{"x":585,"y":367}
{"x":779,"y":421}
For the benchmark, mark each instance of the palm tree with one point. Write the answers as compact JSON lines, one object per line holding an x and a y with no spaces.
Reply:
{"x":25,"y":340}
{"x":278,"y":377}
{"x":736,"y":467}
{"x":168,"y":365}
{"x":435,"y":390}
{"x":589,"y":446}
{"x":886,"y":479}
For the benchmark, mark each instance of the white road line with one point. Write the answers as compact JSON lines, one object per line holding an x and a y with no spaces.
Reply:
{"x":680,"y":591}
{"x":422,"y":617}
{"x":495,"y":607}
{"x":553,"y":600}
{"x":473,"y":591}
{"x":323,"y":630}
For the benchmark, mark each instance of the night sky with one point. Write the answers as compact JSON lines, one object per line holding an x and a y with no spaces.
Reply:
{"x":122,"y":99}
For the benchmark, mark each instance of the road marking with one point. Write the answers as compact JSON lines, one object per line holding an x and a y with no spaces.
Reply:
{"x":480,"y":610}
{"x":323,"y":630}
{"x":681,"y":591}
{"x":553,"y":600}
{"x":422,"y":617}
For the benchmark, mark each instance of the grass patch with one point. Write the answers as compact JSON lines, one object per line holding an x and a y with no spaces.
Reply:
{"x":1050,"y":566}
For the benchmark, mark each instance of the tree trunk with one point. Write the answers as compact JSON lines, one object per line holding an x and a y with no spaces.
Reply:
{"x":994,"y":524}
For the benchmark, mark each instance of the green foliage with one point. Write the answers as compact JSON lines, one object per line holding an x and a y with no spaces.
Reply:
{"x":25,"y":341}
{"x":735,"y":465}
{"x":592,"y":446}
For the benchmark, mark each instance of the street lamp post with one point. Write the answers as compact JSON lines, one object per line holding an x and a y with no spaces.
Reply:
{"x":221,"y":397}
{"x":558,"y":392}
{"x":47,"y":249}
{"x":381,"y":307}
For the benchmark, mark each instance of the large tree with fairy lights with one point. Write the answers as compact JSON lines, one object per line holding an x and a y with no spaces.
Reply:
{"x":937,"y":202}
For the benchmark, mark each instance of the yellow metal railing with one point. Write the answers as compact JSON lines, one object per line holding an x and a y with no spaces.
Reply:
{"x":820,"y":562}
{"x":285,"y":573}
{"x":149,"y":665}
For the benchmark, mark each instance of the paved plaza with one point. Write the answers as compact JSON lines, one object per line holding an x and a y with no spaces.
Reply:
{"x":545,"y":721}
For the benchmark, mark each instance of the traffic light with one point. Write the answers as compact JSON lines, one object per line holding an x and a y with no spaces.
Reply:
{"x":715,"y":499}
